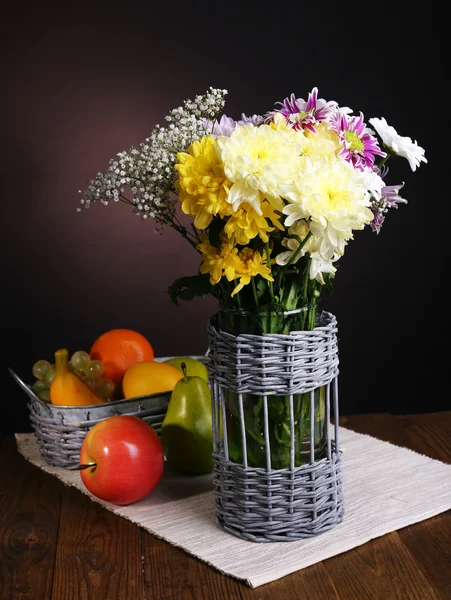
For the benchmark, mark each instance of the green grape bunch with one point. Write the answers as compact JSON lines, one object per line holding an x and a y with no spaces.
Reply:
{"x":80,"y":363}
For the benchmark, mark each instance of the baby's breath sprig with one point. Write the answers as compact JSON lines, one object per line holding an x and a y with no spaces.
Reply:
{"x":148,"y":172}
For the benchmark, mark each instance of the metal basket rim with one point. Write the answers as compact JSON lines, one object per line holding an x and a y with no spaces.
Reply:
{"x":114,"y":403}
{"x":163,"y":395}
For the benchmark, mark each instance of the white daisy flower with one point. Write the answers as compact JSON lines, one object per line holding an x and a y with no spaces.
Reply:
{"x":403,"y":146}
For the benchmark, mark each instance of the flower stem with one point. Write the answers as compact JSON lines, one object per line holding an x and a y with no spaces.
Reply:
{"x":312,"y":309}
{"x":390,"y":153}
{"x":254,"y":290}
{"x":305,"y":292}
{"x":238,"y":299}
{"x":196,"y":233}
{"x":184,"y":233}
{"x":175,"y":224}
{"x":183,"y":228}
{"x":305,"y":286}
{"x":126,"y":200}
{"x":299,"y":248}
{"x":268,"y":261}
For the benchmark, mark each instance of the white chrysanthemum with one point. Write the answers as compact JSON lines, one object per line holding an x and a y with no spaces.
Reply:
{"x":403,"y":146}
{"x":334,"y":198}
{"x":318,"y":265}
{"x":259,"y":160}
{"x":300,"y":229}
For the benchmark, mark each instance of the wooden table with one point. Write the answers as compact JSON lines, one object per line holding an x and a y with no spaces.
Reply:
{"x":56,"y":543}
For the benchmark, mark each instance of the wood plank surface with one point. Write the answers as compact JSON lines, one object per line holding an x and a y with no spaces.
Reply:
{"x":428,"y":434}
{"x":382,"y":568}
{"x":29,"y":520}
{"x":172,"y":574}
{"x":98,"y":553}
{"x":56,"y":543}
{"x":429,"y":542}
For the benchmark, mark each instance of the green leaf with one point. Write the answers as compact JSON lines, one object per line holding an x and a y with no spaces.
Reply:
{"x":214,"y":231}
{"x":258,"y":406}
{"x":187,"y":288}
{"x":275,"y":407}
{"x":328,"y":277}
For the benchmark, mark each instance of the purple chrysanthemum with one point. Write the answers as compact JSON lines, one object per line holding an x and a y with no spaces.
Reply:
{"x":254,"y":120}
{"x":359,"y":146}
{"x":304,"y":114}
{"x":390,"y":198}
{"x":226,"y":125}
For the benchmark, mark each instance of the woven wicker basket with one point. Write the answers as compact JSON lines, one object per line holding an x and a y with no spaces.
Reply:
{"x":275,"y":504}
{"x":60,"y":430}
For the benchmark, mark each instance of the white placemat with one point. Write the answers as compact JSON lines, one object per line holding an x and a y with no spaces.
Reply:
{"x":385,"y":488}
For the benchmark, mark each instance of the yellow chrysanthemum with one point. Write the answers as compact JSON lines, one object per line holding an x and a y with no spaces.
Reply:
{"x":325,"y":143}
{"x":202,"y":184}
{"x":281,"y":123}
{"x":251,"y":264}
{"x":246,"y":224}
{"x":219,"y":261}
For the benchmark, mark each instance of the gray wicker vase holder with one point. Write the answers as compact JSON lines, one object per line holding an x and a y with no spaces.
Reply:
{"x":265,"y":504}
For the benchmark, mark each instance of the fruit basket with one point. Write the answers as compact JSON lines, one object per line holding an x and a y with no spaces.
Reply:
{"x":60,"y":430}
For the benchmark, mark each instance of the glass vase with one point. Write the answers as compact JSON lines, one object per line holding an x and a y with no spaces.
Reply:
{"x":306,"y":406}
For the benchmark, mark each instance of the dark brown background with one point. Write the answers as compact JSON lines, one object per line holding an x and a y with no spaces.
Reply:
{"x":81,"y":83}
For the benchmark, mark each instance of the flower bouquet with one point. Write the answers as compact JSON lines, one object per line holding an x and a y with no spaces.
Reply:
{"x":270,"y":202}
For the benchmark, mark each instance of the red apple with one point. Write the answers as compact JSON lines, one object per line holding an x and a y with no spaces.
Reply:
{"x":121,"y":459}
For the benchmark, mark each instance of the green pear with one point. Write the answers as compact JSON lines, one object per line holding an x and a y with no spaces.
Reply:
{"x":186,"y":432}
{"x":193,"y":366}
